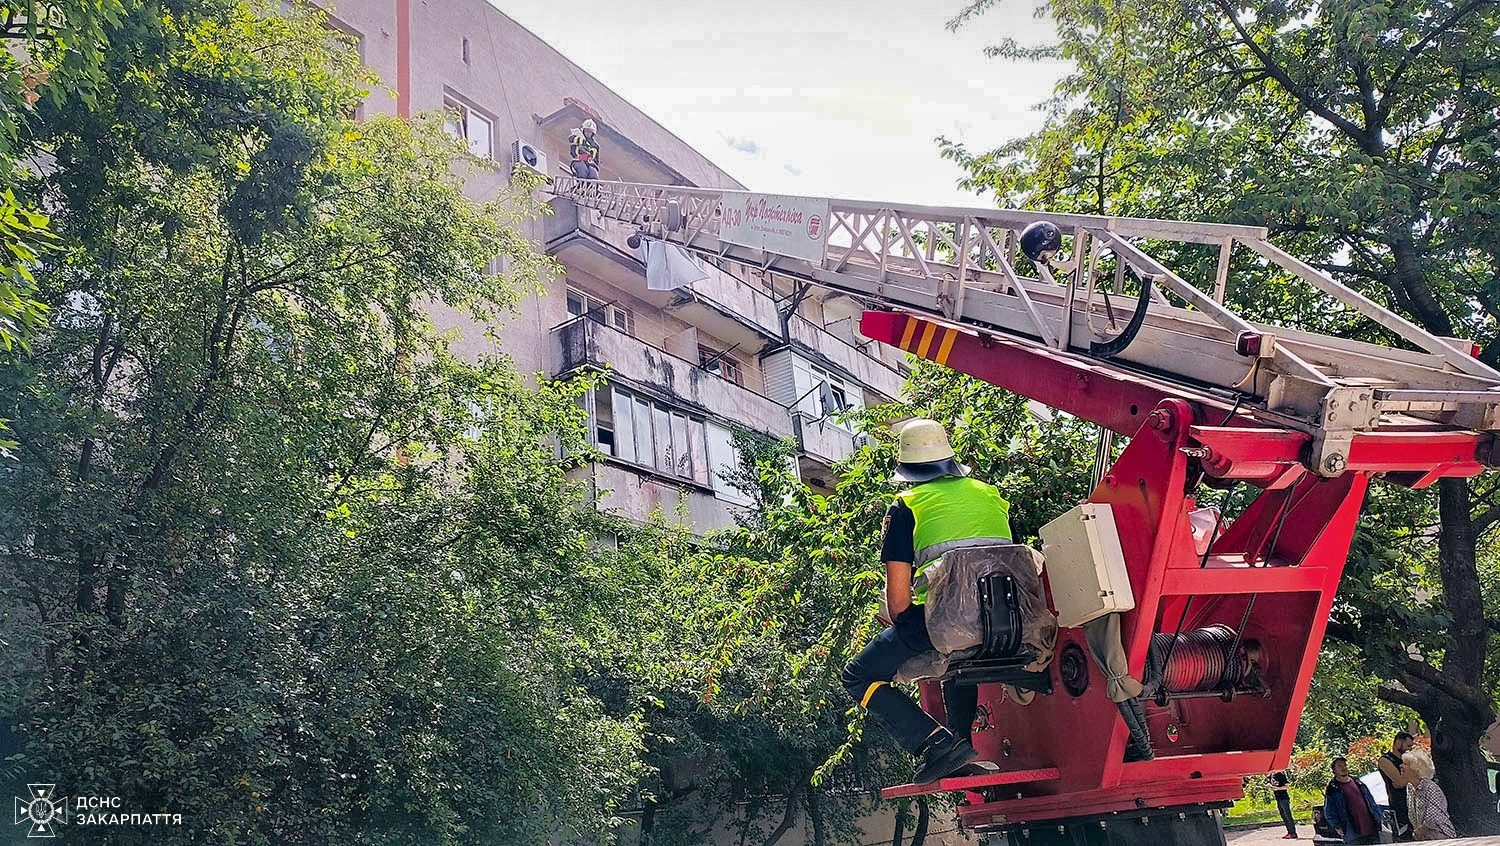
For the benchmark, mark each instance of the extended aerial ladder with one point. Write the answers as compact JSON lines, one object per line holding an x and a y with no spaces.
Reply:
{"x":1205,"y":396}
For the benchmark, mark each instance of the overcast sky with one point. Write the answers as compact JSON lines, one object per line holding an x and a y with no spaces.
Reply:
{"x":818,"y":97}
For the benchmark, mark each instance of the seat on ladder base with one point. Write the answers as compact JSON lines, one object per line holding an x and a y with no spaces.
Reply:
{"x":1002,"y":657}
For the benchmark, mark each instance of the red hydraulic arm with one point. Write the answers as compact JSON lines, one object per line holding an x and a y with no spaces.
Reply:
{"x":1271,"y":576}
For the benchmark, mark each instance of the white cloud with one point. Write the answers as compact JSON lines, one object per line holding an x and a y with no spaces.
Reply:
{"x":854,"y":92}
{"x":748,"y":146}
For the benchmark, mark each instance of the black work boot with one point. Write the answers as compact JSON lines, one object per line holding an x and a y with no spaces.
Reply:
{"x":943,"y":756}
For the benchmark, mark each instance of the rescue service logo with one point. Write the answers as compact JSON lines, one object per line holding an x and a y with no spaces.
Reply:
{"x":43,"y":811}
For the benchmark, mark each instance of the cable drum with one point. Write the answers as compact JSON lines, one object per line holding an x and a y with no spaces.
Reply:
{"x":1201,"y":661}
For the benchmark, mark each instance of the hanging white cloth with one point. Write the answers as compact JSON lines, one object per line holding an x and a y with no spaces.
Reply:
{"x":669,"y":266}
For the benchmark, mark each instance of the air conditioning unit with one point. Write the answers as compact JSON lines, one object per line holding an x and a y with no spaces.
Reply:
{"x":528,"y":156}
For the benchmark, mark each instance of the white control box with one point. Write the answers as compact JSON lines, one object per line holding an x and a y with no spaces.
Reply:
{"x":1085,"y":565}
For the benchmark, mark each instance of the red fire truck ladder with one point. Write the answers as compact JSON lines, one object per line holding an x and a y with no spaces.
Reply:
{"x":1204,"y":395}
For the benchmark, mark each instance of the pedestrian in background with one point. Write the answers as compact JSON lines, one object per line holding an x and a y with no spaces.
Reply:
{"x":1281,"y":789}
{"x":1349,"y":807}
{"x":1429,"y":807}
{"x":1396,"y":782}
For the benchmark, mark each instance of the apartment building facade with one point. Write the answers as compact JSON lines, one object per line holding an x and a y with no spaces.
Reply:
{"x":687,"y":367}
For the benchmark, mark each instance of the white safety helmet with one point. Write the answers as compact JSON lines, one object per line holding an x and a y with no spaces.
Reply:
{"x":590,"y":126}
{"x":925,"y":453}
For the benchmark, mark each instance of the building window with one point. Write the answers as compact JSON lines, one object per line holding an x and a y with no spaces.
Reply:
{"x":642,"y":431}
{"x":820,"y":393}
{"x":720,"y":364}
{"x":608,"y":314}
{"x":463,"y":121}
{"x":466,"y":51}
{"x":724,"y":459}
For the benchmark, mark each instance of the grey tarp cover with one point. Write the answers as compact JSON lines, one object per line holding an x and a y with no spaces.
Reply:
{"x":953,"y":622}
{"x":1103,"y":635}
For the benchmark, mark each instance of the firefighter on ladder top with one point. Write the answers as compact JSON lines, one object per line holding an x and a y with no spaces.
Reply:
{"x":583,"y":147}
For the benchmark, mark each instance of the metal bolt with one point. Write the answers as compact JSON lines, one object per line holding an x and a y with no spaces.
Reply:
{"x":1335,"y":463}
{"x":1160,"y":420}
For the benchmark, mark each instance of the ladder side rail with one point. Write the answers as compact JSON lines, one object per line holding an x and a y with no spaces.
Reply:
{"x":1130,"y":227}
{"x":906,"y":278}
{"x":1290,"y":361}
{"x":1373,"y":310}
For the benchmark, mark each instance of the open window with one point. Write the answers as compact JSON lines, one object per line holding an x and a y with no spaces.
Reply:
{"x":464,"y":121}
{"x":639,"y":430}
{"x":822,"y":394}
{"x":606,"y":314}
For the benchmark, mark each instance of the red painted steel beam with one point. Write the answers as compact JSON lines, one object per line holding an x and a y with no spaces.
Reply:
{"x":1113,"y":398}
{"x":1245,"y":445}
{"x":1161,"y":794}
{"x":1211,"y":580}
{"x":972,"y":782}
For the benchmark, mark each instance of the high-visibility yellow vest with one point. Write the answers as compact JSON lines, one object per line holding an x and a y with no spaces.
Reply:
{"x":953,"y":513}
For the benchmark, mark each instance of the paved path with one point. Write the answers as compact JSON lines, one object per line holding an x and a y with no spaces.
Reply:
{"x":1272,"y":834}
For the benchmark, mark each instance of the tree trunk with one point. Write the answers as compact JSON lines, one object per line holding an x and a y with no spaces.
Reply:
{"x":752,"y":813}
{"x":788,"y":819}
{"x":919,"y":834}
{"x":648,"y":821}
{"x":1461,"y":775}
{"x":898,"y":832}
{"x":815,"y":816}
{"x":1458,"y":722}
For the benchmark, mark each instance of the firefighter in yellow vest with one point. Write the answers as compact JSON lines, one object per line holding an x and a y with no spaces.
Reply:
{"x":943,"y":511}
{"x":583,"y":147}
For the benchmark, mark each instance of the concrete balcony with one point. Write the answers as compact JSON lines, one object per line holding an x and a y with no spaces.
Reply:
{"x":822,"y":440}
{"x":863,"y":366}
{"x":580,"y":344}
{"x":640,"y":497}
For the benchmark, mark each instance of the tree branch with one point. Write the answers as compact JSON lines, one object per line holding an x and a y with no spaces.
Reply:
{"x":1412,"y":52}
{"x":1399,"y":697}
{"x":1485,"y":519}
{"x":1432,"y":676}
{"x":1280,"y":75}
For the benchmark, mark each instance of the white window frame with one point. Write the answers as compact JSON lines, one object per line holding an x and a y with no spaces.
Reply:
{"x":462,"y":120}
{"x":655,"y":428}
{"x":615,"y":316}
{"x":805,"y":378}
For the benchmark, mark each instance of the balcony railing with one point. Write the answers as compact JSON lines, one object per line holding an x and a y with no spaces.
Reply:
{"x":639,"y":498}
{"x":823,"y":441}
{"x":583,"y":343}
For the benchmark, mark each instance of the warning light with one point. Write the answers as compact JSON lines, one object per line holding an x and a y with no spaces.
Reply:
{"x":1248,"y":344}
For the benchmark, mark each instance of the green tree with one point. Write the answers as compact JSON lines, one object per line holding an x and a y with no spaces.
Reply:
{"x":1363,"y":135}
{"x":52,"y":50}
{"x":274,"y":559}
